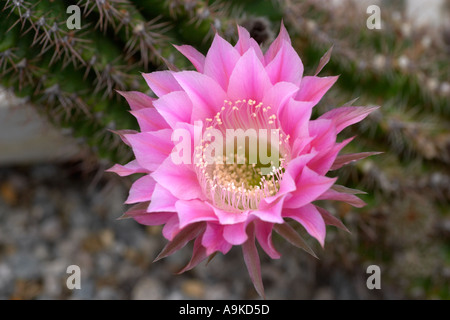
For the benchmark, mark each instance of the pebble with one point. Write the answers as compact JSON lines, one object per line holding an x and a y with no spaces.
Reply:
{"x":148,"y":289}
{"x":193,"y":289}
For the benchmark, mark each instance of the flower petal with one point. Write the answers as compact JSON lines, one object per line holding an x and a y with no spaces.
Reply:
{"x":249,"y":79}
{"x":161,"y":82}
{"x":220,"y":61}
{"x":171,"y":228}
{"x":323,"y":61}
{"x":263,"y":232}
{"x":235,"y":233}
{"x":270,"y":212}
{"x":325,"y":159}
{"x":174,"y":107}
{"x":193,"y":211}
{"x":310,"y":186}
{"x":179,"y":179}
{"x":137,"y":100}
{"x":154,"y":218}
{"x":227,"y":217}
{"x":277,"y":44}
{"x":181,"y":239}
{"x":162,"y":200}
{"x":344,"y":159}
{"x":289,"y":233}
{"x":149,"y":119}
{"x":294,"y":117}
{"x":141,"y":190}
{"x":128,"y":169}
{"x":198,"y":255}
{"x":122,"y":133}
{"x":351,"y":199}
{"x":324,"y":133}
{"x":346,"y":116}
{"x":313,"y":88}
{"x":252,"y":261}
{"x":206,"y":95}
{"x":331,"y":220}
{"x":151,"y":148}
{"x":245,"y":42}
{"x":311,"y":219}
{"x":285,"y":66}
{"x":194,"y":56}
{"x":278,"y":95}
{"x":213,"y":239}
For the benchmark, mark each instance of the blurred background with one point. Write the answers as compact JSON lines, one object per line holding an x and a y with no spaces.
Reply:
{"x":58,"y":109}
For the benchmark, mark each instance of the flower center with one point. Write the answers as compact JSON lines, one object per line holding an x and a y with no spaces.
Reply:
{"x":232,"y":160}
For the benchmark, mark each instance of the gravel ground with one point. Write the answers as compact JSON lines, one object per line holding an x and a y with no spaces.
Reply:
{"x":53,"y":216}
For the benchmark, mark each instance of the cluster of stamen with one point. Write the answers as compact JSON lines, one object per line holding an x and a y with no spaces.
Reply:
{"x":233,"y":183}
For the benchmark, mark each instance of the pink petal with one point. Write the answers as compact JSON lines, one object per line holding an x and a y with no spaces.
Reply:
{"x":213,"y":239}
{"x":264,"y":235}
{"x":235,"y":233}
{"x":245,"y":42}
{"x":301,"y":145}
{"x":287,"y":185}
{"x":193,"y":211}
{"x":292,"y":236}
{"x":135,"y":210}
{"x":345,"y":197}
{"x":325,"y":159}
{"x":128,"y":169}
{"x":198,"y":255}
{"x":324,"y":133}
{"x":331,"y":220}
{"x":270,"y":212}
{"x":195,"y":57}
{"x":309,"y":187}
{"x":285,"y":66}
{"x":252,"y":261}
{"x":323,"y":61}
{"x":344,"y":159}
{"x":174,"y":107}
{"x":296,"y":165}
{"x":206,"y":95}
{"x":162,"y":200}
{"x":161,"y":82}
{"x":277,"y":96}
{"x":294,"y":117}
{"x":313,"y":88}
{"x":227,"y":217}
{"x":122,"y":133}
{"x":151,"y":148}
{"x":180,"y":180}
{"x":137,"y":100}
{"x":181,"y":239}
{"x":141,"y":190}
{"x":149,"y":119}
{"x":154,"y":218}
{"x":276,"y":45}
{"x":220,"y":61}
{"x":171,"y":228}
{"x":249,"y":79}
{"x":346,"y":116}
{"x":311,"y":219}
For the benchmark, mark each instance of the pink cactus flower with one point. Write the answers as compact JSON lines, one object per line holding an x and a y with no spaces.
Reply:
{"x":224,"y":204}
